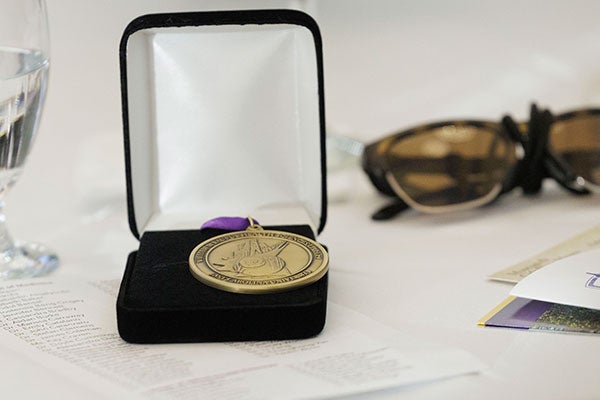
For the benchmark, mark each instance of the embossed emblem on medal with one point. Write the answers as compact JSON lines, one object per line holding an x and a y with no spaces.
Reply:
{"x":258,"y":261}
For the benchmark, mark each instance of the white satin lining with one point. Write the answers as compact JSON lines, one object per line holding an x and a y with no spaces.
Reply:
{"x":224,"y":120}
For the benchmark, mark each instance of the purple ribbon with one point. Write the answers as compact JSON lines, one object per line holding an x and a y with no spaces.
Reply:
{"x":228,"y":223}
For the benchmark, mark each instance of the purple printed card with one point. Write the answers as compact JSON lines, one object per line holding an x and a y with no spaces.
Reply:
{"x":520,"y":313}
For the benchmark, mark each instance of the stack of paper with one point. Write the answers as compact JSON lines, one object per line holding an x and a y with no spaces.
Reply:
{"x":562,"y":296}
{"x":68,"y":325}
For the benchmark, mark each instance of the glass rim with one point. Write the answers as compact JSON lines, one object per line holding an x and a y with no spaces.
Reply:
{"x":24,"y":25}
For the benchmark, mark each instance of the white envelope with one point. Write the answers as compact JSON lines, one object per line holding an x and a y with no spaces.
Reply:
{"x":574,"y":281}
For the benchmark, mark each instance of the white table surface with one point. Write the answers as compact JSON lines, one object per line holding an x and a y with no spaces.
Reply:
{"x":388,"y":64}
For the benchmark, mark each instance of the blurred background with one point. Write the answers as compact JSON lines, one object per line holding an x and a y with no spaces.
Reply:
{"x":389,"y":64}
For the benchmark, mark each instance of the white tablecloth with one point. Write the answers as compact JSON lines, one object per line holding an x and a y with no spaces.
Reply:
{"x":388,"y":64}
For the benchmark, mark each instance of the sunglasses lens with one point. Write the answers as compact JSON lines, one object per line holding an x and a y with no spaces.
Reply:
{"x":576,"y":142}
{"x":450,"y":165}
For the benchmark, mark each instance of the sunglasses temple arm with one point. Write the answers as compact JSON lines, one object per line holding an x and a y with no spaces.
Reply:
{"x":540,"y":124}
{"x":538,"y":161}
{"x":390,"y":211}
{"x":564,"y":178}
{"x":539,"y":128}
{"x":511,"y":127}
{"x":531,"y":169}
{"x":553,"y":168}
{"x":371,"y":165}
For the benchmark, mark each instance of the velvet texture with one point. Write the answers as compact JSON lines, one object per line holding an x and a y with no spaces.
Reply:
{"x":161,"y":302}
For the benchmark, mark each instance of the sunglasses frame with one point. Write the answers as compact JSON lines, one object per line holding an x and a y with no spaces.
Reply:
{"x":379,"y":172}
{"x":575,"y":182}
{"x":375,"y":164}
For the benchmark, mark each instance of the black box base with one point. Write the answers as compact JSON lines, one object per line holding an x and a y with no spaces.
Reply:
{"x":161,"y":302}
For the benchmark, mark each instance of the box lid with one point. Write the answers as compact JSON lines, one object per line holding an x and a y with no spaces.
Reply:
{"x":223,"y":114}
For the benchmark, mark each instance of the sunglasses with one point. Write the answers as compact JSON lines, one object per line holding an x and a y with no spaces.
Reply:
{"x":458,"y":165}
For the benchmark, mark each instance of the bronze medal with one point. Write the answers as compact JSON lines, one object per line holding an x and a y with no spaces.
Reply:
{"x":258,"y":261}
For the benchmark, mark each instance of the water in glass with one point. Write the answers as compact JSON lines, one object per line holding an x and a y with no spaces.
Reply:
{"x":23,"y":77}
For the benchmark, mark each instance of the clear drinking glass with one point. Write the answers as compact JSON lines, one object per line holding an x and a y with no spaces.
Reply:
{"x":23,"y":76}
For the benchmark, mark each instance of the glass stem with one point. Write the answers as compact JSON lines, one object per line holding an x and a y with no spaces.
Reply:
{"x":6,"y":241}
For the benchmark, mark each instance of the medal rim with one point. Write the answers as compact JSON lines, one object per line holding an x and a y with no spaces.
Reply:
{"x":197,"y":272}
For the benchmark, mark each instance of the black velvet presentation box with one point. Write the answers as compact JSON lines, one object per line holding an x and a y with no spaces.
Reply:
{"x":171,"y":192}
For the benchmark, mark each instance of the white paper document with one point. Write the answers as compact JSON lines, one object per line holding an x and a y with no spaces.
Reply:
{"x":585,"y":241}
{"x":573,"y":281}
{"x":68,"y":325}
